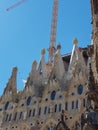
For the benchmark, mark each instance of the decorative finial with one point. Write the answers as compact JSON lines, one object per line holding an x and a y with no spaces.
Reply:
{"x":35,"y":63}
{"x":57,"y":56}
{"x":75,"y":41}
{"x":15,"y":69}
{"x":59,"y":46}
{"x":43,"y":51}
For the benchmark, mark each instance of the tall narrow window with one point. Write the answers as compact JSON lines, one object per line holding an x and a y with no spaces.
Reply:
{"x":77,"y":104}
{"x":49,"y":110}
{"x":21,"y":113}
{"x":28,"y":100}
{"x":60,"y":107}
{"x":55,"y":109}
{"x":30,"y":111}
{"x":45,"y":110}
{"x":54,"y":128}
{"x":72,"y":104}
{"x":48,"y":128}
{"x":34,"y":112}
{"x":39,"y":113}
{"x":6,"y":117}
{"x":15,"y":116}
{"x":66,"y":106}
{"x":10,"y":117}
{"x":84,"y":103}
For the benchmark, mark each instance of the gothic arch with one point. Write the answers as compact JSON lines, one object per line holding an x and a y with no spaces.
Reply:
{"x":49,"y":123}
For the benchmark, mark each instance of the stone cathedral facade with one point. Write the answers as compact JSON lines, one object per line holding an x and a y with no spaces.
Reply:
{"x":55,"y":95}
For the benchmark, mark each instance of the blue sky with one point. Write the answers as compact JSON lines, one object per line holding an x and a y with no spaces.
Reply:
{"x":25,"y":30}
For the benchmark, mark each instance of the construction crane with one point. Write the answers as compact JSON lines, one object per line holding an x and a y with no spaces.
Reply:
{"x":15,"y":5}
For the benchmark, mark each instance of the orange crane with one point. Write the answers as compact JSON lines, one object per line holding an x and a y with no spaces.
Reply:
{"x":15,"y":5}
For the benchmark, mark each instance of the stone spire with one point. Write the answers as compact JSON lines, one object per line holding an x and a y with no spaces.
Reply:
{"x":77,"y":64}
{"x":52,"y":47}
{"x":12,"y":84}
{"x":58,"y":64}
{"x":33,"y":75}
{"x":42,"y":66}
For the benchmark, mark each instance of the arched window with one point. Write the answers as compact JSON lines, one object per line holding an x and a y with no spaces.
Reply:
{"x":55,"y":109}
{"x":6,"y":105}
{"x":80,"y":89}
{"x":53,"y":94}
{"x":77,"y":104}
{"x":72,"y":104}
{"x":28,"y":100}
{"x":66,"y":106}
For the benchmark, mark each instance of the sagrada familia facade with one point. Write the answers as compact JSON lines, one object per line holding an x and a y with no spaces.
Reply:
{"x":61,"y":94}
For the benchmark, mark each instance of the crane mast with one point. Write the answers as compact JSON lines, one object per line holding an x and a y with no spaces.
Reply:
{"x":15,"y":5}
{"x":52,"y":47}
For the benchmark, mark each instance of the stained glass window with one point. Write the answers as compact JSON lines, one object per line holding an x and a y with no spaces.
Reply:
{"x":6,"y":105}
{"x":80,"y":89}
{"x":53,"y":94}
{"x":28,"y":100}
